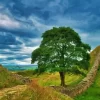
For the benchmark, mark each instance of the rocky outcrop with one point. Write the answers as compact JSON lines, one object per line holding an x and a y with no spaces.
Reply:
{"x":20,"y":77}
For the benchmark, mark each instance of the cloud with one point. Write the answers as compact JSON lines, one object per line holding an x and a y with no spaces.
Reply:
{"x":37,"y":22}
{"x":7,"y":22}
{"x":22,"y":23}
{"x":8,"y":39}
{"x":16,"y":27}
{"x":2,"y":56}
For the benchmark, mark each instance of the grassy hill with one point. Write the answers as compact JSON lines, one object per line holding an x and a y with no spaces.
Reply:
{"x":93,"y":92}
{"x":93,"y":54}
{"x":7,"y":79}
{"x":11,"y":90}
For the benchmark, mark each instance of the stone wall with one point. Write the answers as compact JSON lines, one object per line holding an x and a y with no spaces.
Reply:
{"x":85,"y":83}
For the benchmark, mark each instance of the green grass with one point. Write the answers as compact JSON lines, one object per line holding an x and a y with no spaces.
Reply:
{"x":7,"y":79}
{"x":93,"y":92}
{"x":48,"y":79}
{"x":94,"y":54}
{"x":26,"y":73}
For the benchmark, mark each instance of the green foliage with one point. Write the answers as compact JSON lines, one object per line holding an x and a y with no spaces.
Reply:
{"x":61,"y":50}
{"x":77,"y":70}
{"x":35,"y":55}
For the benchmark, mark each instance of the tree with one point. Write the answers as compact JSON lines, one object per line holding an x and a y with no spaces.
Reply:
{"x":61,"y":50}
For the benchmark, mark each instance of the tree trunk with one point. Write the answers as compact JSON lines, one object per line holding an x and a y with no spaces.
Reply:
{"x":62,"y":78}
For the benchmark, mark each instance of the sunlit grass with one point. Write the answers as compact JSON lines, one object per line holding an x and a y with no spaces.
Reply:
{"x":36,"y":92}
{"x":49,"y":79}
{"x":26,"y":73}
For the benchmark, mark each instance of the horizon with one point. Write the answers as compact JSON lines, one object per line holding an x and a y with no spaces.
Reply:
{"x":19,"y":64}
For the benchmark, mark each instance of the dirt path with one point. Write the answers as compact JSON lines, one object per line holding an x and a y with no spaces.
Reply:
{"x":8,"y":92}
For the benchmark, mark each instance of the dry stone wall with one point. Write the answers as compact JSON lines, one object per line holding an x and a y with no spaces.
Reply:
{"x":85,"y":83}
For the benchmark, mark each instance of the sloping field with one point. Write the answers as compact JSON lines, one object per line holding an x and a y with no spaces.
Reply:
{"x":7,"y":79}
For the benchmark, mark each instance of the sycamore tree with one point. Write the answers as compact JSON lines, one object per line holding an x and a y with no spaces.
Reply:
{"x":61,"y":50}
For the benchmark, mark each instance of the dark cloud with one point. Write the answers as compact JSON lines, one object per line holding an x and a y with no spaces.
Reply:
{"x":23,"y":21}
{"x":17,"y":57}
{"x":8,"y":39}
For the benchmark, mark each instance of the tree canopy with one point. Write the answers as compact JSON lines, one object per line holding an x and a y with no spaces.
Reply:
{"x":61,"y":50}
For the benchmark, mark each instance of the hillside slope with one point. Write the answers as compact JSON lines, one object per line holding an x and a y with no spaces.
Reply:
{"x":7,"y":79}
{"x":10,"y":90}
{"x":12,"y":93}
{"x":94,"y":54}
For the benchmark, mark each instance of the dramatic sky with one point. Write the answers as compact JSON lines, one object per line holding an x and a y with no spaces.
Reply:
{"x":23,"y":21}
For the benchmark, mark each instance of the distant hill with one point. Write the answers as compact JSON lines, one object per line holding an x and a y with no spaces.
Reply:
{"x":20,"y":67}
